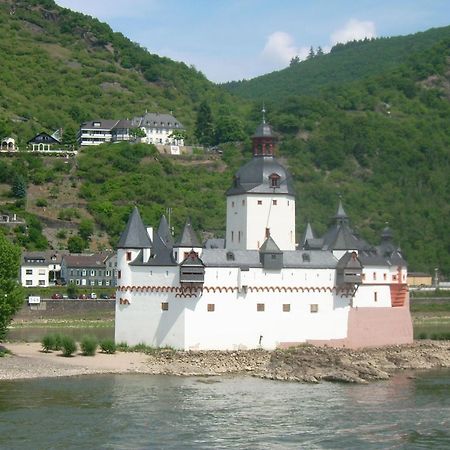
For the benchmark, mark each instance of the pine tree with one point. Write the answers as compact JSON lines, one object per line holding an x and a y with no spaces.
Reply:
{"x":311,"y":53}
{"x":319,"y":51}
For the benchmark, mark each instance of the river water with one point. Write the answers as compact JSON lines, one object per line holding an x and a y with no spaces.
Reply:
{"x":141,"y":411}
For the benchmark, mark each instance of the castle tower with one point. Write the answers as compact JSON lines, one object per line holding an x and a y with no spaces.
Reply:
{"x":133,"y":243}
{"x":261,"y":201}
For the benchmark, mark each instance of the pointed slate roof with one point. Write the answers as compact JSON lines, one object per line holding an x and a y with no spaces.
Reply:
{"x":188,"y":237}
{"x":164,"y":232}
{"x":341,"y":215}
{"x":307,"y":235}
{"x":340,"y":236}
{"x":269,"y":246}
{"x":135,"y":234}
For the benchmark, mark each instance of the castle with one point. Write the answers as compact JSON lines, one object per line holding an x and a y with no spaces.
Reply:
{"x":257,"y":288}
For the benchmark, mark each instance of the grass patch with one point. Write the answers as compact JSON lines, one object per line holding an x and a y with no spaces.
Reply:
{"x":143,"y":348}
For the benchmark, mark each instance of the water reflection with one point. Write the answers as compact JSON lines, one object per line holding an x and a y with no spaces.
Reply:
{"x":229,"y":412}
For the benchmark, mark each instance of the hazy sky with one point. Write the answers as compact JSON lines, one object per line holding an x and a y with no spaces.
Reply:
{"x":236,"y":39}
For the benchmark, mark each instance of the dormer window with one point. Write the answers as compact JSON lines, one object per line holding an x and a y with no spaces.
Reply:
{"x":305,"y":257}
{"x":274,"y":180}
{"x":230,"y":256}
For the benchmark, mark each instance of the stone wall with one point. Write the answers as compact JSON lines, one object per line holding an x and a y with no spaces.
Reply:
{"x":67,"y":309}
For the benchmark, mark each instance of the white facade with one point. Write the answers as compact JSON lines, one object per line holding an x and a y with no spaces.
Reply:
{"x":252,"y":217}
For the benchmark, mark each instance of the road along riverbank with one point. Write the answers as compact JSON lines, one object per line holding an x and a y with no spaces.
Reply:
{"x":303,"y":364}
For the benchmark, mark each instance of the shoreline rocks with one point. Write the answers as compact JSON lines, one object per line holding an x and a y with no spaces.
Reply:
{"x":307,"y":364}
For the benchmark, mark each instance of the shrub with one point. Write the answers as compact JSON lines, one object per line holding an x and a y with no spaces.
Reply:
{"x":48,"y":342}
{"x":41,"y":202}
{"x":422,"y":335}
{"x":89,"y":345}
{"x":108,"y":346}
{"x":58,"y":341}
{"x":68,"y":346}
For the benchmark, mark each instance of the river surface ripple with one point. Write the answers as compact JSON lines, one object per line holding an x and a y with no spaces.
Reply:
{"x":141,"y":411}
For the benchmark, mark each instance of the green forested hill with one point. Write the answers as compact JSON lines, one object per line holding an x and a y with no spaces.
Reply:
{"x":345,"y":63}
{"x":60,"y":68}
{"x":376,"y":134}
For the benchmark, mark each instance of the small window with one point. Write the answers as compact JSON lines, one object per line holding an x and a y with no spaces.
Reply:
{"x":274,"y":180}
{"x":374,"y":275}
{"x":41,"y":282}
{"x":260,"y":307}
{"x":29,"y":271}
{"x":211,"y":307}
{"x":243,"y":202}
{"x":128,"y":256}
{"x":165,"y":306}
{"x":375,"y":296}
{"x":259,"y":202}
{"x":230,"y":256}
{"x":119,"y":274}
{"x":314,"y":308}
{"x":29,"y":282}
{"x":232,"y":204}
{"x":274,"y":202}
{"x":306,"y":257}
{"x":363,"y":276}
{"x":286,"y":307}
{"x":394,"y":277}
{"x":232,"y":236}
{"x":384,"y":276}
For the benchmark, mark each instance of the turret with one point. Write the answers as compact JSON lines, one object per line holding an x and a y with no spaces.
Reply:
{"x":134,"y":244}
{"x":186,"y":243}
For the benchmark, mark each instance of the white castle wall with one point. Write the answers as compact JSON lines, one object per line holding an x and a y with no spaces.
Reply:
{"x":235,"y":322}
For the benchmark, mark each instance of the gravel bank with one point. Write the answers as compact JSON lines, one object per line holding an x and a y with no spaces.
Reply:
{"x":304,"y":364}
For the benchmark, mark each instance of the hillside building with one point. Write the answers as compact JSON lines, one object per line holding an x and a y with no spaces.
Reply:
{"x":158,"y":129}
{"x":257,"y":288}
{"x":40,"y":268}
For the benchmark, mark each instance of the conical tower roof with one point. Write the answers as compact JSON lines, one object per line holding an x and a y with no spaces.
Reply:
{"x":135,"y":234}
{"x":340,"y":213}
{"x":188,"y":237}
{"x":164,"y":232}
{"x":308,"y":235}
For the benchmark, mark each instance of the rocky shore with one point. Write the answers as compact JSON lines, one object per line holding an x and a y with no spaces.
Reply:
{"x":304,"y":364}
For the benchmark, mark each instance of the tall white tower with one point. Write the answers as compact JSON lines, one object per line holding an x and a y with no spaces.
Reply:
{"x":261,"y":202}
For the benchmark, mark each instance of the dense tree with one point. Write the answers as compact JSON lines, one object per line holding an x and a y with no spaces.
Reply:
{"x":11,"y":294}
{"x":85,"y":229}
{"x":76,"y":244}
{"x":19,"y":187}
{"x":204,"y":125}
{"x":311,"y":53}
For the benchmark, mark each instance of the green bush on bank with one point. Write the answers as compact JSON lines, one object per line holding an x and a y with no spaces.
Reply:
{"x":89,"y":345}
{"x":108,"y":346}
{"x":68,"y":346}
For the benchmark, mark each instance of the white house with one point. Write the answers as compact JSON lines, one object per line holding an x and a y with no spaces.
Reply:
{"x":162,"y":129}
{"x":256,"y":289}
{"x":40,"y":268}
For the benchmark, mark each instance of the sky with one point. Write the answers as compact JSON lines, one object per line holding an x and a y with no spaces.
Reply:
{"x":241,"y":39}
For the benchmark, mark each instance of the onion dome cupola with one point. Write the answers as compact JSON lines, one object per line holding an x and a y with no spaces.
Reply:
{"x":263,"y":174}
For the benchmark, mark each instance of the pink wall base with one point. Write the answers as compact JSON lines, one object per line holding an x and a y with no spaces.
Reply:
{"x":374,"y":327}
